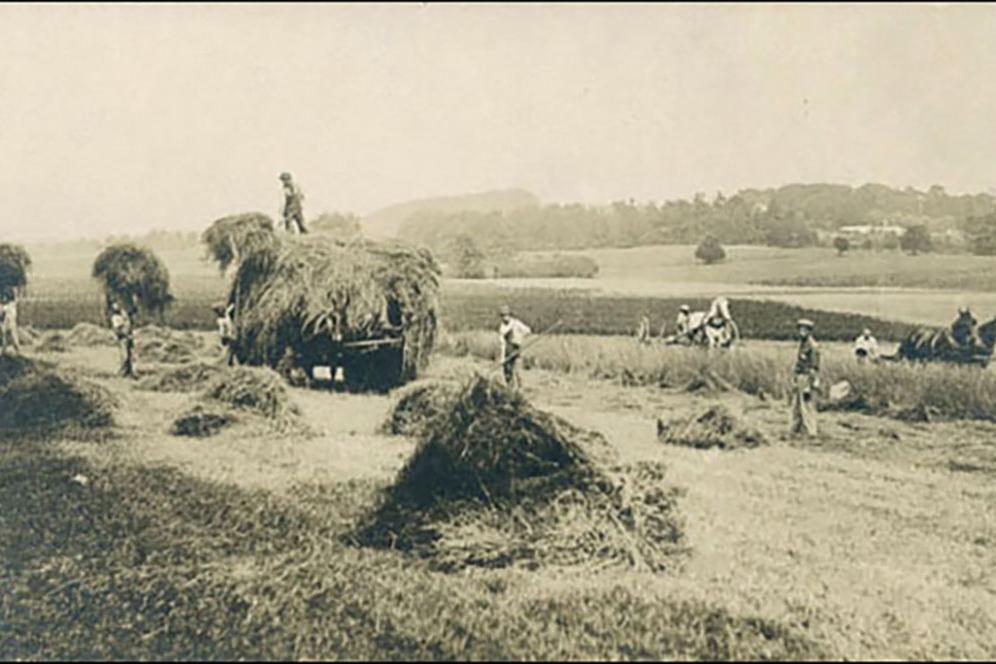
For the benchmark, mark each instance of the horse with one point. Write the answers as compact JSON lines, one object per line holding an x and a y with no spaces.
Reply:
{"x":957,"y":344}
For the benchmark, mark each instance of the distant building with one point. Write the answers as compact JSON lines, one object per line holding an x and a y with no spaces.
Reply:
{"x":870,"y":231}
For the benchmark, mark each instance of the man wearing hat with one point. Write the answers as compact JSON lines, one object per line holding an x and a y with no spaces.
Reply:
{"x":293,"y":210}
{"x":681,"y":323}
{"x":866,"y":347}
{"x":512,"y":332}
{"x":122,"y":326}
{"x":806,"y":381}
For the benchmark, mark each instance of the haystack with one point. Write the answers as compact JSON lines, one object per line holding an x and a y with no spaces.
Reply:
{"x":495,"y":482}
{"x":89,"y":335}
{"x":135,"y":277}
{"x":305,"y":295}
{"x":184,"y":378}
{"x":714,"y":427}
{"x":38,"y":398}
{"x":14,"y":266}
{"x":418,"y":405}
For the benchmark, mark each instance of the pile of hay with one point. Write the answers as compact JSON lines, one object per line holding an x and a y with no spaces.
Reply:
{"x":168,"y":334}
{"x":88,"y":334}
{"x":201,"y":421}
{"x":187,"y":377}
{"x":134,"y":276}
{"x":37,"y":398}
{"x":715,"y":427}
{"x":53,"y":342}
{"x":418,"y":405}
{"x":495,"y":482}
{"x":230,"y":238}
{"x":14,"y":266}
{"x":304,"y":295}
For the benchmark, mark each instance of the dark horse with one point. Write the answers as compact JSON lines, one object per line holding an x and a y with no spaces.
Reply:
{"x":961,"y":343}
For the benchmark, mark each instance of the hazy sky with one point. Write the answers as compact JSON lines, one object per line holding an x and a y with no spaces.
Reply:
{"x":124,"y":118}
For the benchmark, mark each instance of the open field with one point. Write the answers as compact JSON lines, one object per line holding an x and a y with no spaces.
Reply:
{"x":231,"y":546}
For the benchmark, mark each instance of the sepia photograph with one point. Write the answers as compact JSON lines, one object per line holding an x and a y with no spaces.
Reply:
{"x":497,"y":331}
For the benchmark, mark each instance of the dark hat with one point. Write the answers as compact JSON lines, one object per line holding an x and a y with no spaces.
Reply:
{"x":285,"y":176}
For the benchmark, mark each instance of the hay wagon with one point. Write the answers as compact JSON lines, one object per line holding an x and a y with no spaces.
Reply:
{"x":367,"y":308}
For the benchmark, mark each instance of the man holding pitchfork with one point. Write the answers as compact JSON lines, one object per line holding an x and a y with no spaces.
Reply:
{"x":512,"y":333}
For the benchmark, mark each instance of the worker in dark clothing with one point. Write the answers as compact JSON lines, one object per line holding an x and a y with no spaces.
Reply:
{"x":806,"y":382}
{"x":293,"y":210}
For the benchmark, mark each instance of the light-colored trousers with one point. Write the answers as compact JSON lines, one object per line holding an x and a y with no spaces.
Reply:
{"x":803,"y":406}
{"x":8,"y":330}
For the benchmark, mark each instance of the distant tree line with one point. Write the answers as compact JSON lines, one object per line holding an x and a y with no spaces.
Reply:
{"x":790,"y":216}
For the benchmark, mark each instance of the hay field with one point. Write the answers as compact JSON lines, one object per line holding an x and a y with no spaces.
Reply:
{"x":874,"y":542}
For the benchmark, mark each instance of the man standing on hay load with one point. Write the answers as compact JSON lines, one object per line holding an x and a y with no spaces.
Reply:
{"x":121,"y":324}
{"x":8,"y":320}
{"x":293,"y":210}
{"x":806,"y":381}
{"x":512,"y":332}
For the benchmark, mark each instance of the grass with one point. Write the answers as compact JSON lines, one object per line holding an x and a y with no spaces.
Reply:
{"x":148,"y":563}
{"x":761,"y":369}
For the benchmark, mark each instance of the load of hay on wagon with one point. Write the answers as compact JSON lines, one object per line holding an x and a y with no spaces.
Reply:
{"x":370,"y":308}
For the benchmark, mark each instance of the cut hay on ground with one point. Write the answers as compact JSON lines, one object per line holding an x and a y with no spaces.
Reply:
{"x":164,"y":352}
{"x":257,"y":390}
{"x":28,"y":336}
{"x":495,"y":482}
{"x":53,"y":342}
{"x":305,"y":295}
{"x":40,"y":399}
{"x":715,"y":427}
{"x":89,"y":335}
{"x":201,"y":421}
{"x":164,"y":334}
{"x":187,"y":377}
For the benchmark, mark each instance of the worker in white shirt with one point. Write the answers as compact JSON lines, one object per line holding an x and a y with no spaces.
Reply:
{"x":121,"y":325}
{"x":8,"y":321}
{"x":866,"y":347}
{"x":512,"y":333}
{"x":226,"y":330}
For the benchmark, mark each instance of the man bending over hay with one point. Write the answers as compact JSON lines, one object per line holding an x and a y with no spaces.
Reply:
{"x":512,"y":333}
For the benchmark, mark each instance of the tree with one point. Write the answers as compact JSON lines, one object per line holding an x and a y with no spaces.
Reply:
{"x":916,"y":240}
{"x":336,"y":224}
{"x":467,"y":257}
{"x":710,"y":251}
{"x":841,"y":244}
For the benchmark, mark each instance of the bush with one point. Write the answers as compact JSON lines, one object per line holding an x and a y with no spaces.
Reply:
{"x":709,"y":251}
{"x":916,"y":240}
{"x":841,"y":244}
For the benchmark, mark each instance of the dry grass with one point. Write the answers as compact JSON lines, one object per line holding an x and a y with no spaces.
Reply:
{"x":257,"y":390}
{"x":764,"y":370}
